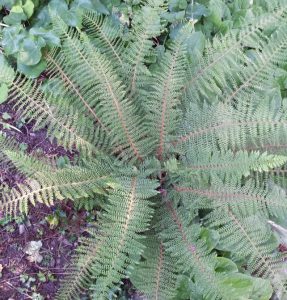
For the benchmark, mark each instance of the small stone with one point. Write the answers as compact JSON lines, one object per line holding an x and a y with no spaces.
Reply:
{"x":32,"y":249}
{"x":21,"y":229}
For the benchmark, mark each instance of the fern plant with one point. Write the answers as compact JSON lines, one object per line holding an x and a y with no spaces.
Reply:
{"x":174,"y":153}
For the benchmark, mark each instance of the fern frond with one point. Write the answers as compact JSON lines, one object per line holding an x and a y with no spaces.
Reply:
{"x":27,"y":165}
{"x":163,"y":100}
{"x":259,"y":74}
{"x":248,"y":198}
{"x":107,"y":35}
{"x":231,"y":128}
{"x":70,"y":129}
{"x":182,"y":242}
{"x":67,"y":183}
{"x":223,"y":164}
{"x":146,"y":25}
{"x":120,"y":233}
{"x":160,"y":267}
{"x":120,"y":114}
{"x":224,"y":58}
{"x":70,"y":89}
{"x":7,"y":73}
{"x":276,"y":176}
{"x":169,"y":148}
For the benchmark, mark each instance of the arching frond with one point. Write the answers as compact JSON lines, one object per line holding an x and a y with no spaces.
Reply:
{"x":120,"y":234}
{"x":106,"y":33}
{"x":49,"y":185}
{"x":160,"y":267}
{"x":228,"y":164}
{"x":163,"y":101}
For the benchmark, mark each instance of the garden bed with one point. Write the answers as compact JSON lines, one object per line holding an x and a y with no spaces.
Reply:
{"x":21,"y":278}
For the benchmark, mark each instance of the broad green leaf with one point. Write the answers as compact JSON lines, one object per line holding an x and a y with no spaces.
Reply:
{"x":30,"y":52}
{"x":43,"y":18}
{"x":100,"y":7}
{"x":32,"y":71}
{"x":177,"y":5}
{"x":218,"y":12}
{"x":3,"y":92}
{"x":15,"y":16}
{"x":243,"y":287}
{"x":8,"y":3}
{"x":71,"y":16}
{"x":210,"y":237}
{"x":12,"y":39}
{"x":83,"y":4}
{"x":183,"y":288}
{"x":28,"y":8}
{"x":240,"y":286}
{"x":225,"y":265}
{"x":262,"y":289}
{"x":49,"y":36}
{"x":196,"y":43}
{"x":196,"y":11}
{"x":174,"y":16}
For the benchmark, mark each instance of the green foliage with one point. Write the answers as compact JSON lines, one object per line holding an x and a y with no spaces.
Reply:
{"x":26,"y":24}
{"x":180,"y":144}
{"x":26,"y":29}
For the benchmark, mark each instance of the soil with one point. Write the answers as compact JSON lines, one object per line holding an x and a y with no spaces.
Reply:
{"x":19,"y":277}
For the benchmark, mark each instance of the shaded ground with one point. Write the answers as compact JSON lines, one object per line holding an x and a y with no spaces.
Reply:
{"x":20,"y":278}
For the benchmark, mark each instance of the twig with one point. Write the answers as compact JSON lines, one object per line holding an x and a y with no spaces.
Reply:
{"x":22,"y":293}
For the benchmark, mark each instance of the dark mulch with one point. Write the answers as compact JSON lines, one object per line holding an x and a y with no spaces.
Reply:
{"x":20,"y":277}
{"x":56,"y":250}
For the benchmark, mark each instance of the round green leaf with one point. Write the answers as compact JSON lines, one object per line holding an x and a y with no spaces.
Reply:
{"x":32,"y":71}
{"x":225,"y":265}
{"x":12,"y":39}
{"x":16,"y":16}
{"x":50,"y":37}
{"x":28,"y":8}
{"x":30,"y":53}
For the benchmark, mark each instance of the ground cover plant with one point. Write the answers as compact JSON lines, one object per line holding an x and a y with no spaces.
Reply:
{"x":26,"y":24}
{"x":182,"y":152}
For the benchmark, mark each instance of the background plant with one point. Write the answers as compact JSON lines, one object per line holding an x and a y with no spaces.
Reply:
{"x":26,"y":25}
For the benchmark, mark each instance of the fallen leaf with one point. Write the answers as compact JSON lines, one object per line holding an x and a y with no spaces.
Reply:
{"x":32,"y":249}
